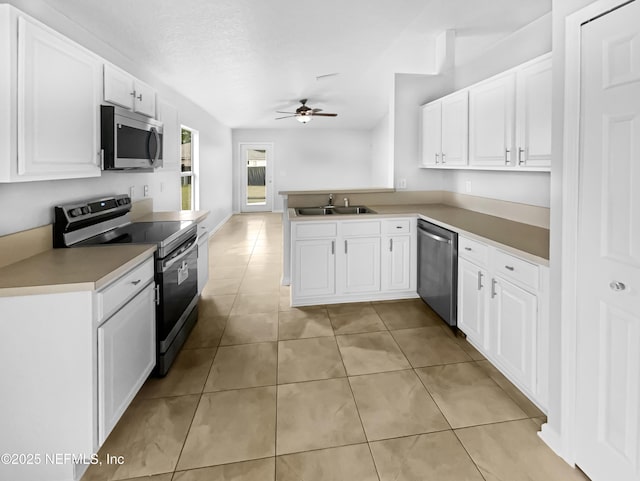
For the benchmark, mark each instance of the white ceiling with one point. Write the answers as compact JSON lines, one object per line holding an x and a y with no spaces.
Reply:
{"x":242,"y":60}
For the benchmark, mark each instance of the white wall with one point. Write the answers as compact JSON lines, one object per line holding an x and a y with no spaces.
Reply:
{"x":411,"y":91}
{"x":524,"y":187}
{"x":310,"y":159}
{"x":381,"y":153}
{"x":27,"y":205}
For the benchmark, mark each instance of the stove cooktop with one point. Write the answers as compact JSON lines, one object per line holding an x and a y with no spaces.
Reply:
{"x":159,"y":233}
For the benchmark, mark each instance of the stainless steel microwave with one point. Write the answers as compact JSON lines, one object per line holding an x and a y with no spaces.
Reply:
{"x":129,"y":141}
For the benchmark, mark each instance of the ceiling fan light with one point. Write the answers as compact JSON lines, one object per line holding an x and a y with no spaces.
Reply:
{"x":303,"y":119}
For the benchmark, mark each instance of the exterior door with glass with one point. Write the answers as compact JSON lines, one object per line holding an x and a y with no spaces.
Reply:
{"x":257,"y":167}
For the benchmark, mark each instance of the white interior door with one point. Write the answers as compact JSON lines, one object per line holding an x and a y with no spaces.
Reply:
{"x":256,"y":162}
{"x":608,"y":326}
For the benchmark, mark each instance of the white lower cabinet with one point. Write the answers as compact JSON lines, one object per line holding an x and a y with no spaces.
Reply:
{"x":472,"y":301}
{"x":361,"y":264}
{"x":126,"y":356}
{"x":352,"y":260}
{"x":513,"y":321}
{"x":314,"y":268}
{"x":74,"y":361}
{"x":203,"y":257}
{"x":502,"y":304}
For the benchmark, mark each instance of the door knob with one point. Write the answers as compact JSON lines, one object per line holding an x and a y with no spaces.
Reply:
{"x":617,"y":286}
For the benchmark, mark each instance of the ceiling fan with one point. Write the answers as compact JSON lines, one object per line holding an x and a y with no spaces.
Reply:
{"x":304,"y":114}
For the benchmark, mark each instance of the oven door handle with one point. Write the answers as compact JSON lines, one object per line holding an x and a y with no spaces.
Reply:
{"x":169,"y":262}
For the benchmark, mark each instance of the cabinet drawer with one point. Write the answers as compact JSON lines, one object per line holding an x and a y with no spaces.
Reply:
{"x":360,"y":228}
{"x":515,"y":268}
{"x":124,"y":288}
{"x":309,"y":230}
{"x":400,"y":226}
{"x":472,"y":250}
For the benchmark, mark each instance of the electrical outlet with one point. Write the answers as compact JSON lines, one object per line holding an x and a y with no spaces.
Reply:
{"x":467,"y":186}
{"x":402,"y":184}
{"x":132,"y":191}
{"x":146,"y":191}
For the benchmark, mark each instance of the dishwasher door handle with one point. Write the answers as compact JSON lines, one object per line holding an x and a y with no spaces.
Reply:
{"x":435,"y":237}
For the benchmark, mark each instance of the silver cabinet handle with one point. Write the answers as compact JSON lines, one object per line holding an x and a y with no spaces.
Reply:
{"x":102,"y":159}
{"x":140,"y":97}
{"x":345,"y":246}
{"x":133,"y":94}
{"x":437,"y":157}
{"x":617,"y":286}
{"x":390,"y":245}
{"x":520,"y":159}
{"x":493,"y":288}
{"x":480,"y":286}
{"x":507,"y":160}
{"x":157,"y":289}
{"x":468,"y":249}
{"x":444,"y":158}
{"x":333,"y":247}
{"x":510,"y":268}
{"x":135,"y":283}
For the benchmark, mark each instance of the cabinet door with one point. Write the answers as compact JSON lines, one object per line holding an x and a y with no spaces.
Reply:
{"x":169,"y":117}
{"x":396,"y":263}
{"x":126,"y":357}
{"x":472,"y":286}
{"x":58,"y":106}
{"x":361,"y":267}
{"x":513,"y":330}
{"x":145,"y":102}
{"x":119,"y":87}
{"x":455,"y":129}
{"x":491,"y":122}
{"x":203,"y":258}
{"x":314,"y":267}
{"x":533,"y":115}
{"x":431,"y":133}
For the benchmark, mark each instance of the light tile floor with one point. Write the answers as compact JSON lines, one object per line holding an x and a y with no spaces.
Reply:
{"x":354,"y":392}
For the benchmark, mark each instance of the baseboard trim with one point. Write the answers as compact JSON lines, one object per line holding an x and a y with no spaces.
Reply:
{"x":217,"y":227}
{"x":365,"y":297}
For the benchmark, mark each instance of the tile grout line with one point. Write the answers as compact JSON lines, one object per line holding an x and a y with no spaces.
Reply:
{"x":353,"y":396}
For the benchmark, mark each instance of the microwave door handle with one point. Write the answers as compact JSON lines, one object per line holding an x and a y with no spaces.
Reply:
{"x":153,"y":159}
{"x":157,"y":134}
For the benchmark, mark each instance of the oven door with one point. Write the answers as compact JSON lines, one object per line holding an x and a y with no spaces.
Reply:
{"x":178,"y":285}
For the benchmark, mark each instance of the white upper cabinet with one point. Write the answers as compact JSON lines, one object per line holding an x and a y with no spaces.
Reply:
{"x":431,"y":133}
{"x":502,"y":123}
{"x":445,"y":131}
{"x":533,"y":114}
{"x":491,"y":107}
{"x":122,"y":89}
{"x":53,"y":130}
{"x":169,"y":116}
{"x":455,"y":129}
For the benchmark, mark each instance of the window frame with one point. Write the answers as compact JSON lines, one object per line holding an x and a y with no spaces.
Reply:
{"x":194,"y":172}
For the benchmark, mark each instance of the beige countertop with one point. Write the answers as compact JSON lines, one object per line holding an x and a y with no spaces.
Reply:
{"x":194,"y":215}
{"x":371,"y":190}
{"x":524,"y":240}
{"x":67,"y":270}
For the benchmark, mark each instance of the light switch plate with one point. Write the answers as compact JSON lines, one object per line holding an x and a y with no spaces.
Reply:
{"x":402,"y":184}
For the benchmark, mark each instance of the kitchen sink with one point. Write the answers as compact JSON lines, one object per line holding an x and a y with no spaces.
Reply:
{"x":331,"y":210}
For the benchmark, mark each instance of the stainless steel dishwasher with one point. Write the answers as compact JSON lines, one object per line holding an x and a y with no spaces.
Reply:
{"x":438,"y":270}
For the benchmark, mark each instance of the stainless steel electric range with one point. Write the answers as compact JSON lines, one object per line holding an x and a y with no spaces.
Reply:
{"x":107,"y":221}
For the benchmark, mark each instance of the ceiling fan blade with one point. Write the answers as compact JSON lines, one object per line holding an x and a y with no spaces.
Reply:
{"x":286,"y":117}
{"x":316,"y":110}
{"x":325,"y":115}
{"x":281,"y":112}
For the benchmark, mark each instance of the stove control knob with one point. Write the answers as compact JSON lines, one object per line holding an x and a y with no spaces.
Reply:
{"x":122,"y":201}
{"x":75,"y":212}
{"x":85,"y":210}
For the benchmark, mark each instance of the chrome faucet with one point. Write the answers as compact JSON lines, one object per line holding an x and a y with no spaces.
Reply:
{"x":330,"y":200}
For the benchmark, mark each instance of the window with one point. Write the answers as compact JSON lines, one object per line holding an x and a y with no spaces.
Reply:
{"x":188,"y":161}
